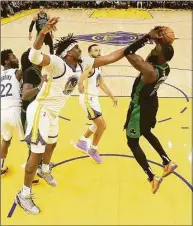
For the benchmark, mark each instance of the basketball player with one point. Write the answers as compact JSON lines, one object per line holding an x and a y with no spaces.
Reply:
{"x":32,"y":83}
{"x":63,"y":71}
{"x":141,"y":116}
{"x":91,"y":105}
{"x":10,"y":103}
{"x":40,"y":20}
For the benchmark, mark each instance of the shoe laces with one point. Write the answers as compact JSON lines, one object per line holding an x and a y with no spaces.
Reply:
{"x":29,"y":200}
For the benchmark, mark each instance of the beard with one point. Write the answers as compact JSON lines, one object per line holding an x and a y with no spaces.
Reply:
{"x":79,"y":60}
{"x":14,"y":65}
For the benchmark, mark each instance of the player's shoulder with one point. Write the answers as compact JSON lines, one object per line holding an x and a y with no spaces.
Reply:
{"x":35,"y":17}
{"x":10,"y":70}
{"x":87,"y":62}
{"x":55,"y":59}
{"x":86,"y":58}
{"x":31,"y":71}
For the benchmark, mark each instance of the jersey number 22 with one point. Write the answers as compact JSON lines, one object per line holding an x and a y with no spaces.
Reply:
{"x":6,"y":90}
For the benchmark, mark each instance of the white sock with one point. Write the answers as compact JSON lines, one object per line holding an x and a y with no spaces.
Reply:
{"x":94,"y":147}
{"x":45,"y":168}
{"x":83,"y":138}
{"x":2,"y":162}
{"x":26,"y":191}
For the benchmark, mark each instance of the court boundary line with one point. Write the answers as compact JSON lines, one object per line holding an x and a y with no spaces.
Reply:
{"x":23,"y":14}
{"x":126,"y":156}
{"x":14,"y":205}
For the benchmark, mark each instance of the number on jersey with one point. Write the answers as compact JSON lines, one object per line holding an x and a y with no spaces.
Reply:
{"x":6,"y":90}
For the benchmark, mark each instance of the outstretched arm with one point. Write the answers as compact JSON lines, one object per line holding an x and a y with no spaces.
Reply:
{"x":108,"y":59}
{"x":35,"y":55}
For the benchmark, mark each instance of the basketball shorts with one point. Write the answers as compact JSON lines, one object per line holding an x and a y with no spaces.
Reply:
{"x":42,"y":127}
{"x":140,"y":120}
{"x":91,"y":106}
{"x":10,"y":121}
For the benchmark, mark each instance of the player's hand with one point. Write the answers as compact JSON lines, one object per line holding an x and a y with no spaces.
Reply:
{"x":115,"y":102}
{"x":155,"y":33}
{"x":30,"y":37}
{"x":81,"y":87}
{"x":50,"y":25}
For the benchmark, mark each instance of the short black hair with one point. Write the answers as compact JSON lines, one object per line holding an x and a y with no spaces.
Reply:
{"x":25,"y":62}
{"x":63,"y":43}
{"x":5,"y":55}
{"x":90,"y":47}
{"x":168,"y":52}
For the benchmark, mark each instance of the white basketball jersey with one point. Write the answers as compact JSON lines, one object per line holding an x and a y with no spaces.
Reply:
{"x":10,"y":89}
{"x":62,"y":80}
{"x":92,"y":84}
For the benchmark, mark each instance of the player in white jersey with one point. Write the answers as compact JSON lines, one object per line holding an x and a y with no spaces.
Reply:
{"x":63,"y":71}
{"x":10,"y":103}
{"x":90,"y":103}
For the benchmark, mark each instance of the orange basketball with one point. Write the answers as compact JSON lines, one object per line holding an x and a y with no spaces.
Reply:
{"x":168,"y":35}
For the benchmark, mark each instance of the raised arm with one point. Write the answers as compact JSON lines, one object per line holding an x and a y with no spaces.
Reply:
{"x":148,"y":71}
{"x":108,"y":59}
{"x":35,"y":55}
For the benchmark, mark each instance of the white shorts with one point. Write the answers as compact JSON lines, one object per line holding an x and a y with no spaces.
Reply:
{"x":91,"y":106}
{"x":42,"y":127}
{"x":11,"y":120}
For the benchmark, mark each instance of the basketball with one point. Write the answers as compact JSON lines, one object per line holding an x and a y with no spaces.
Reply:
{"x":168,"y":35}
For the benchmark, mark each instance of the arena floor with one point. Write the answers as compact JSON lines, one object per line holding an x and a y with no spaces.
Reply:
{"x":115,"y":192}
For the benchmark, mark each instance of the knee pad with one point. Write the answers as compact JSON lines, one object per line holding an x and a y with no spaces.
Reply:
{"x":93,"y":128}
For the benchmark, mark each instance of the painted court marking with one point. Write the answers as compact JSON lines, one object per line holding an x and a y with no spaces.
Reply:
{"x":129,"y":76}
{"x":10,"y":214}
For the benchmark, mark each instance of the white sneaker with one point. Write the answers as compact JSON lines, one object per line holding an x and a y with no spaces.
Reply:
{"x":47,"y":177}
{"x":26,"y":202}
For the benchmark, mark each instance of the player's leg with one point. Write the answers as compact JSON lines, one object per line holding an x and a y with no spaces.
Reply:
{"x":93,"y":109}
{"x":7,"y":128}
{"x":37,"y":135}
{"x":149,"y":121}
{"x":24,"y":124}
{"x":24,"y":198}
{"x":82,"y":144}
{"x":45,"y":170}
{"x":133,"y":134}
{"x":100,"y":124}
{"x":4,"y":150}
{"x":168,"y":165}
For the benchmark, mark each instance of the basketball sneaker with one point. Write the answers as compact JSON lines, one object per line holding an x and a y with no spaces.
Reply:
{"x":47,"y":177}
{"x":4,"y":170}
{"x":94,"y":155}
{"x":168,"y":169}
{"x":26,"y":203}
{"x":82,"y":145}
{"x":155,"y":183}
